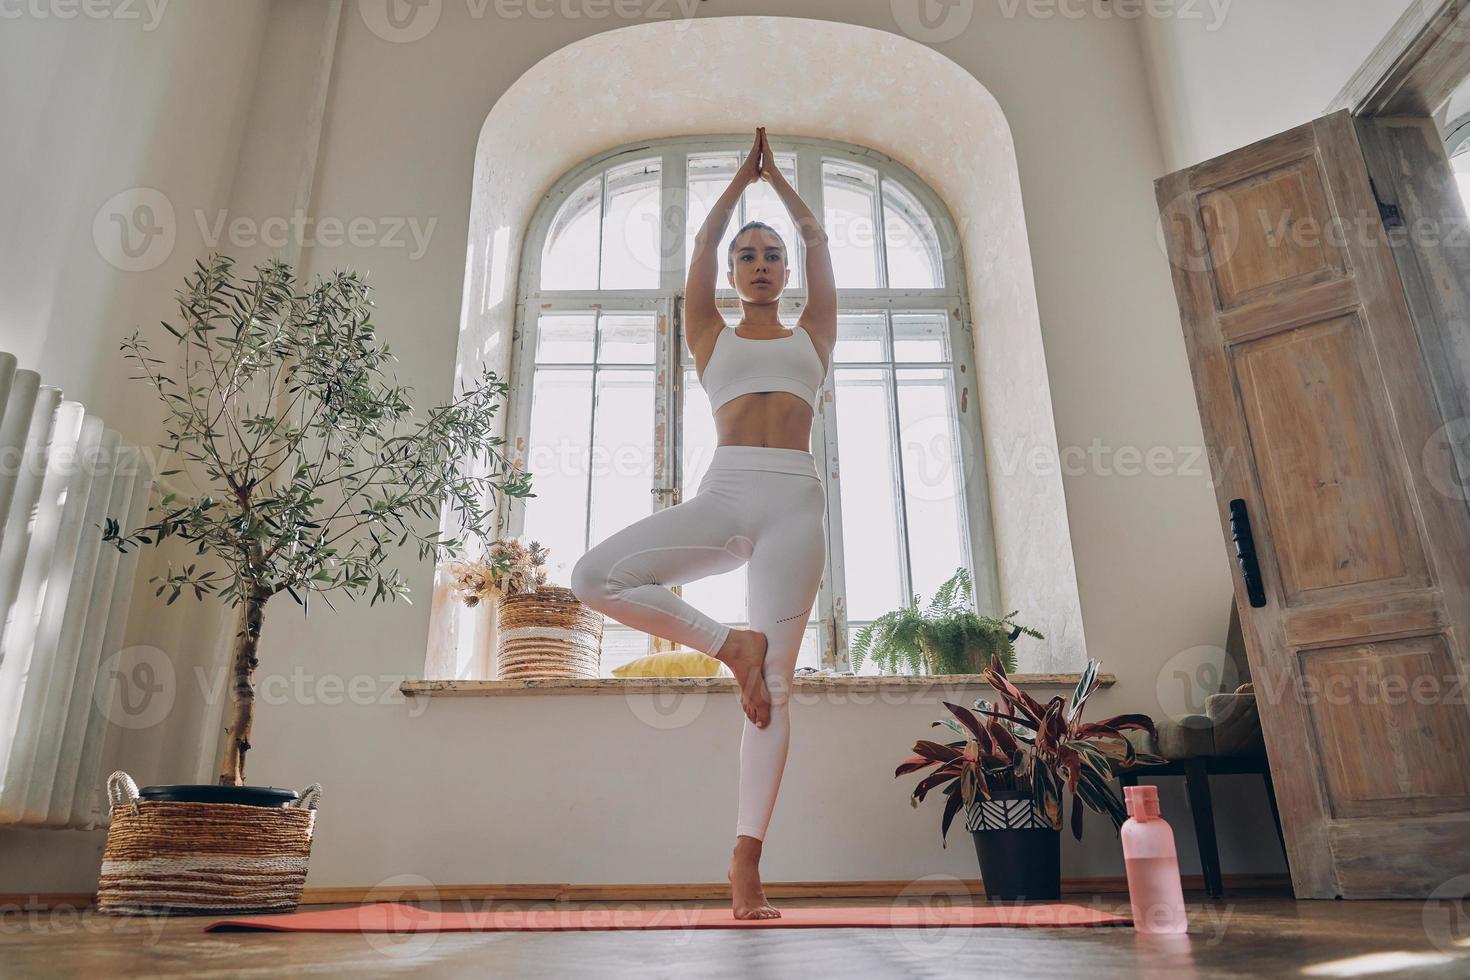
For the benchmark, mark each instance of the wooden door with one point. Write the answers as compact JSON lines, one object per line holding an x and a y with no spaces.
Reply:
{"x":1321,"y":422}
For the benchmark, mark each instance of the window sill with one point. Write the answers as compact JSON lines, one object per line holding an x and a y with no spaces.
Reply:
{"x":896,"y":684}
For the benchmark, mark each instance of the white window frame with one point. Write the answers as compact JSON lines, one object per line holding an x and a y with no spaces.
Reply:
{"x":833,"y":630}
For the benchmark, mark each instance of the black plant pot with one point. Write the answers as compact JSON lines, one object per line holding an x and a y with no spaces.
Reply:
{"x":267,"y":796}
{"x":1020,"y":854}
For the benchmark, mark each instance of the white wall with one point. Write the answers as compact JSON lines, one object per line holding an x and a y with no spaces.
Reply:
{"x":613,"y":789}
{"x":1227,"y":73}
{"x":101,"y":115}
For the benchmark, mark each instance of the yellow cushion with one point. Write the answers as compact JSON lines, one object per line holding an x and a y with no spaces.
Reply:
{"x":683,"y":663}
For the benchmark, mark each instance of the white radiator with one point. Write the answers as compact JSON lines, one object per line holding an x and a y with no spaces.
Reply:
{"x":64,"y":597}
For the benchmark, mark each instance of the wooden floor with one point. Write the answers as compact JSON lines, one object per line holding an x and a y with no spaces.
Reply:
{"x":1250,"y":935}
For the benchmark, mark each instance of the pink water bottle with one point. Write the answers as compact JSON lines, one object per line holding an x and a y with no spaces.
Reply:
{"x":1154,"y":888}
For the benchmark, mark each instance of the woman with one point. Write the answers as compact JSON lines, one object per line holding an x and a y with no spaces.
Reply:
{"x":761,"y":501}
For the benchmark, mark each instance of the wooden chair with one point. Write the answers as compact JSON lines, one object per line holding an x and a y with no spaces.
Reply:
{"x":1225,"y":741}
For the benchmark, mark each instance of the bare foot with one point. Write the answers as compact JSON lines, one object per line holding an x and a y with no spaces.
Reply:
{"x":744,"y":653}
{"x":747,"y":897}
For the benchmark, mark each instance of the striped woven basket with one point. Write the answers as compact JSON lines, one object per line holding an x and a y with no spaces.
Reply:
{"x":545,"y":634}
{"x":199,"y":858}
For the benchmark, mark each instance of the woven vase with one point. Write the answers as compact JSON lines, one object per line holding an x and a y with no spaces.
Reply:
{"x":548,"y":633}
{"x":199,"y":858}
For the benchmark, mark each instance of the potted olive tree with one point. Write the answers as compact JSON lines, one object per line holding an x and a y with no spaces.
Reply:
{"x":307,"y":471}
{"x":1010,"y":768}
{"x":946,"y":637}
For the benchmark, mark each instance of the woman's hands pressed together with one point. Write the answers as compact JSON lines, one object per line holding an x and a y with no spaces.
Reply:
{"x":752,"y":169}
{"x":769,"y":171}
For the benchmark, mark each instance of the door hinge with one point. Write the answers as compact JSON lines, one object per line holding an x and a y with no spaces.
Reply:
{"x":1389,"y":214}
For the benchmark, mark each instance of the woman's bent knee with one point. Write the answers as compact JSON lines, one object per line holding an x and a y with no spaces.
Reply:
{"x":590,"y":581}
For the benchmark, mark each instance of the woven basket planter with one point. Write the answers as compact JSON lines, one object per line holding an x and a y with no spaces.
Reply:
{"x":201,"y":858}
{"x":548,"y":633}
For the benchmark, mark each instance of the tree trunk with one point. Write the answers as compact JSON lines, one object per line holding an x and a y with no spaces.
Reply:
{"x":242,"y":710}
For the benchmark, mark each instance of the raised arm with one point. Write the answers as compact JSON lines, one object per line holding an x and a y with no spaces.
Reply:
{"x":820,"y":316}
{"x":701,"y":316}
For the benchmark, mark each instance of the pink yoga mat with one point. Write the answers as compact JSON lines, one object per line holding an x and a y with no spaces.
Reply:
{"x":393,"y":917}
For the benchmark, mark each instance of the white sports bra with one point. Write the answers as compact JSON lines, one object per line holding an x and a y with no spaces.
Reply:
{"x":742,"y":365}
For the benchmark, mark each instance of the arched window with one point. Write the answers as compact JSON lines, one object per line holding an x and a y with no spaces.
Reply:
{"x":1457,"y":147}
{"x":609,"y":418}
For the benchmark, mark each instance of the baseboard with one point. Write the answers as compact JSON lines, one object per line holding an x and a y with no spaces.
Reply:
{"x":675,"y":892}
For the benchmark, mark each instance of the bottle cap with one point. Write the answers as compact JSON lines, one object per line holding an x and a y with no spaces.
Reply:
{"x":1142,"y":801}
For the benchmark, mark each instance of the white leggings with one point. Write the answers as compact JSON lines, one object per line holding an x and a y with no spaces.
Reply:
{"x":758,"y":504}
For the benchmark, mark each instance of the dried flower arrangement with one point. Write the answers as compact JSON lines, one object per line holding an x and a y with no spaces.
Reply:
{"x":508,"y":567}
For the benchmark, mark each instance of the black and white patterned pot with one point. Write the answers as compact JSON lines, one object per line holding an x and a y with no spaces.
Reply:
{"x":1020,"y":853}
{"x":1006,"y":811}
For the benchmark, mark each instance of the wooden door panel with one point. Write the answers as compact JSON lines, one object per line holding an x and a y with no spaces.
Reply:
{"x":1288,"y":250}
{"x":1316,"y":407}
{"x":1313,"y":404}
{"x":1385,"y":716}
{"x":1388,"y":616}
{"x":1292,"y":309}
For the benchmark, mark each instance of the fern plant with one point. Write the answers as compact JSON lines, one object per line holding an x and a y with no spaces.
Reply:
{"x":946,"y":637}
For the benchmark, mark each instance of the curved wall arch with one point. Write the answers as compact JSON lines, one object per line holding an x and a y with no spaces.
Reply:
{"x":613,"y":88}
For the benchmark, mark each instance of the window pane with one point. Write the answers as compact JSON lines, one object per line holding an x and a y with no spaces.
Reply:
{"x":809,"y":656}
{"x":921,"y":337}
{"x":622,"y":453}
{"x":851,"y":195}
{"x":569,"y":260}
{"x":763,"y":204}
{"x":860,"y":337}
{"x":564,"y":338}
{"x":914,"y":257}
{"x":621,"y":645}
{"x":630,"y":256}
{"x":698,"y":434}
{"x":557,"y":459}
{"x":627,"y":338}
{"x":932,"y":484}
{"x":1460,"y":164}
{"x":709,"y":175}
{"x":870,"y":531}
